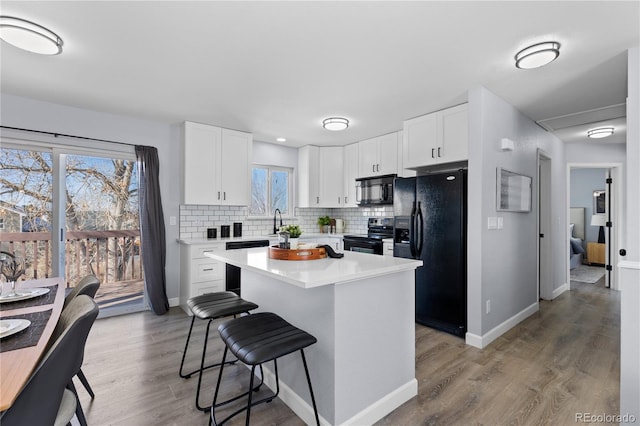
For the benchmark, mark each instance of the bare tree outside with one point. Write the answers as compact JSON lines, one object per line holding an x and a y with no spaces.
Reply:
{"x":269,"y":190}
{"x":101,"y":211}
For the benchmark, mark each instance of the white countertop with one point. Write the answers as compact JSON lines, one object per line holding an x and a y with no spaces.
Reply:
{"x":199,"y":241}
{"x":305,"y":236}
{"x":314,"y":273}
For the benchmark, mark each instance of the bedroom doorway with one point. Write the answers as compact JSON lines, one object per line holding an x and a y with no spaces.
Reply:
{"x":597,"y":188}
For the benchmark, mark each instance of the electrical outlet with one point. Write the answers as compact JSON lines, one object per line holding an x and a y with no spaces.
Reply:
{"x":488,"y":309}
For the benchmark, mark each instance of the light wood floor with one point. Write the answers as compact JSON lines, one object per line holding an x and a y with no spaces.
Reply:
{"x":561,"y":361}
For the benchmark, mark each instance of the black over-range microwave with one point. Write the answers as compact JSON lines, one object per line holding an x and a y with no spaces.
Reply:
{"x":374,"y":191}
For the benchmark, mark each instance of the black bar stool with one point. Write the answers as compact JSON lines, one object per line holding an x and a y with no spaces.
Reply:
{"x":254,"y":340}
{"x":209,"y":307}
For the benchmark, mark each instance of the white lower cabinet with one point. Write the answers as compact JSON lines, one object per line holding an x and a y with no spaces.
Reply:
{"x":387,"y":246}
{"x":334,"y":242}
{"x":200,"y":274}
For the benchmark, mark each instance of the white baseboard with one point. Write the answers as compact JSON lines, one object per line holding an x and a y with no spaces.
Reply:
{"x":174,"y":301}
{"x":368,"y":416}
{"x":291,"y":399}
{"x":484,"y":340}
{"x":385,"y":405}
{"x":558,"y":291}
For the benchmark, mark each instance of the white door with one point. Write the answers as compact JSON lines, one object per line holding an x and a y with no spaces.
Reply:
{"x":545,"y":267}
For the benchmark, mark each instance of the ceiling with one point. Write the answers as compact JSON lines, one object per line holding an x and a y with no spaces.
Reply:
{"x":276,"y":69}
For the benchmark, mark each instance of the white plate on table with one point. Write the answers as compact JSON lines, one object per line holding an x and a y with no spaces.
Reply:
{"x":24,"y":294}
{"x":12,"y":326}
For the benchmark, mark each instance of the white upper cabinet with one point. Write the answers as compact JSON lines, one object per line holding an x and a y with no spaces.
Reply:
{"x":320,"y":176}
{"x":439,"y":137}
{"x":350,"y":174}
{"x":378,"y":156}
{"x":216,"y":166}
{"x":331,"y":176}
{"x":235,"y":169}
{"x":200,"y":147}
{"x":308,"y":176}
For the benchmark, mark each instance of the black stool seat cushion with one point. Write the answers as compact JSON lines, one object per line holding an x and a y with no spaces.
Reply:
{"x":219,"y":304}
{"x":258,"y":338}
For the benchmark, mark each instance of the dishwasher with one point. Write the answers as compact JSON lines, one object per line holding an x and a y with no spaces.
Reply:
{"x":232,"y":282}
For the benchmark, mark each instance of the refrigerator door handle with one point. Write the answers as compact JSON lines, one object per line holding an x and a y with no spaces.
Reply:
{"x":420,"y":220}
{"x":412,"y":231}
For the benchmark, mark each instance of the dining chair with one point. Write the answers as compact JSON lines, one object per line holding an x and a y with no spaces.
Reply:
{"x":88,"y":286}
{"x":45,"y":399}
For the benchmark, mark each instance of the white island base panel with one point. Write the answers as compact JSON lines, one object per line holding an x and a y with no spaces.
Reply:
{"x":363,"y":365}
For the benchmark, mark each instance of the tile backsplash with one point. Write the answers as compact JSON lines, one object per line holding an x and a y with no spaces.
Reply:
{"x":195,"y":219}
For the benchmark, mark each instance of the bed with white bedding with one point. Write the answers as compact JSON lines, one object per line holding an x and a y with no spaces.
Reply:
{"x":576,"y":236}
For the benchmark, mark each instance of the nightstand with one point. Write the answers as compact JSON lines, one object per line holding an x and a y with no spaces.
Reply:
{"x":595,"y":253}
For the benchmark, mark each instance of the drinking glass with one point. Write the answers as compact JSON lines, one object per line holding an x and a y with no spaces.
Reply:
{"x":12,"y":269}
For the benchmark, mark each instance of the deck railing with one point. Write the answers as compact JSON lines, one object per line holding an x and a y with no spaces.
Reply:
{"x":112,"y":256}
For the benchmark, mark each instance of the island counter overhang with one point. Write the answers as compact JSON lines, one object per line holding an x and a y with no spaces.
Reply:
{"x":361,"y":308}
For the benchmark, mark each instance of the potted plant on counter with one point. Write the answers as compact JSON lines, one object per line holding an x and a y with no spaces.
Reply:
{"x":294,"y":233}
{"x":324,"y":222}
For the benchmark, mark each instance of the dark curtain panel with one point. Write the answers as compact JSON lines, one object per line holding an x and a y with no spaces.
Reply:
{"x":152,"y":233}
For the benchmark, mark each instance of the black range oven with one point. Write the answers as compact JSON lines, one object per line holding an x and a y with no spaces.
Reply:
{"x":379,"y":228}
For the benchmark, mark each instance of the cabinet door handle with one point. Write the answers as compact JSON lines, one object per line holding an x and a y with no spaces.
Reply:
{"x":317,"y":200}
{"x":338,"y":200}
{"x":208,"y":269}
{"x":218,"y":195}
{"x":433,"y":153}
{"x":377,"y":167}
{"x":345,"y":200}
{"x":438,"y":152}
{"x":373,"y":167}
{"x":224,"y":194}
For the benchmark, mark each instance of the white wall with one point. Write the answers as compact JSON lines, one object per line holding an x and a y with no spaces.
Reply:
{"x":274,"y":155}
{"x":37,"y":115}
{"x":502,"y":263}
{"x":629,"y":267}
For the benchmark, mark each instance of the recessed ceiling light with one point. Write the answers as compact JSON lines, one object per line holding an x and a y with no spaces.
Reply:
{"x":281,"y":140}
{"x":335,"y":123}
{"x":537,"y":55}
{"x":29,"y":36}
{"x":600,"y":132}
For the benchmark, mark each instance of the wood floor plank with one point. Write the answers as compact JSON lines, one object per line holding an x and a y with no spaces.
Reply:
{"x":562,"y":360}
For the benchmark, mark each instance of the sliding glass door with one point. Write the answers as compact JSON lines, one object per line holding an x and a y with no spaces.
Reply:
{"x":72,"y":214}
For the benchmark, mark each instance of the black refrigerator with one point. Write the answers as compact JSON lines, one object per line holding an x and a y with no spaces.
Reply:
{"x":430,"y":223}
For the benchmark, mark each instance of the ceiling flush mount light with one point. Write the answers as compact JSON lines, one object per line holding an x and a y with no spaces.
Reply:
{"x":335,"y":123}
{"x":29,"y":36}
{"x":600,"y":132}
{"x":281,"y":140}
{"x":537,"y":55}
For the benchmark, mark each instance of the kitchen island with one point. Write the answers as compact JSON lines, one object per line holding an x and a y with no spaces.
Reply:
{"x":361,"y":310}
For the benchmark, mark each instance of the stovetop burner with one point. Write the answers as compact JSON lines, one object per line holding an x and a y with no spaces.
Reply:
{"x":378,"y":228}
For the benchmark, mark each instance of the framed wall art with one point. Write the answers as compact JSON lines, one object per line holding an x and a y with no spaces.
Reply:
{"x":599,"y":202}
{"x":513,"y":191}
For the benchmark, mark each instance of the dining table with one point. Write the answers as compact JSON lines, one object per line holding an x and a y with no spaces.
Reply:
{"x":21,"y":352}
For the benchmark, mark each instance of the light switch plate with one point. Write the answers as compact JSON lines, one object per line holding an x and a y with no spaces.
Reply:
{"x":492,"y":223}
{"x":172,"y":220}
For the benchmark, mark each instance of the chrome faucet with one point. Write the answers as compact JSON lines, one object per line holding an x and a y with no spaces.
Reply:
{"x":275,"y":213}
